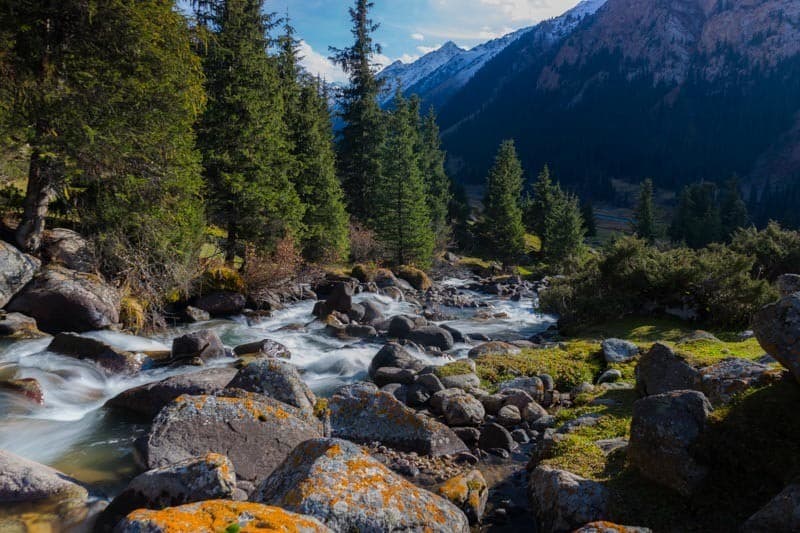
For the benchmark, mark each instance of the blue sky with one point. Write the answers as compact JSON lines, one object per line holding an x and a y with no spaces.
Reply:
{"x":410,"y":28}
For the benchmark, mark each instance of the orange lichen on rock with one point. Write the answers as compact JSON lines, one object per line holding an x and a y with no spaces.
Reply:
{"x":215,"y":516}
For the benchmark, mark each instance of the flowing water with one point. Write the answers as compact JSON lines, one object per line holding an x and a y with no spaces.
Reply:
{"x":73,"y":432}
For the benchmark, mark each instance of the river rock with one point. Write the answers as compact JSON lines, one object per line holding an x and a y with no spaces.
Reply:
{"x":149,"y":399}
{"x":346,"y":489}
{"x":722,"y":381}
{"x":204,"y":344}
{"x":458,"y":337}
{"x":340,"y":298}
{"x":386,"y":375}
{"x":16,"y":270}
{"x":780,"y":515}
{"x":461,"y":381}
{"x":65,"y":300}
{"x":461,"y":409}
{"x":219,"y":516}
{"x":360,"y":331}
{"x":393,"y":355}
{"x":563,"y":501}
{"x":663,"y":430}
{"x":277,"y":379}
{"x":619,"y":350}
{"x":361,"y":413}
{"x":777,"y":328}
{"x":254,"y":431}
{"x":533,"y":412}
{"x":221,"y":303}
{"x":194,"y":480}
{"x":608,"y":527}
{"x":661,"y":370}
{"x":22,"y":480}
{"x":400,"y":327}
{"x":788,"y":284}
{"x":469,"y":492}
{"x":263,"y":348}
{"x":495,"y":436}
{"x":509,"y":416}
{"x":194,"y":314}
{"x":70,"y":249}
{"x":430,"y":382}
{"x":109,"y":359}
{"x":530,"y":384}
{"x":28,"y":388}
{"x":432,"y":336}
{"x":494,"y":348}
{"x":372,"y":312}
{"x":356,"y":312}
{"x":18,"y":326}
{"x":612,"y":375}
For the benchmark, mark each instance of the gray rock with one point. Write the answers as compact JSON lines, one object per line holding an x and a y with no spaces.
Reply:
{"x":609,"y":376}
{"x":548,"y":382}
{"x":430,"y":382}
{"x":277,"y":379}
{"x":255,"y":432}
{"x":197,"y":479}
{"x":608,"y":527}
{"x":470,"y":436}
{"x":372,"y":312}
{"x":16,"y":270}
{"x":788,"y":284}
{"x":494,"y":348}
{"x":509,"y":416}
{"x":204,"y":344}
{"x":780,"y":515}
{"x":462,"y":381}
{"x":619,"y":351}
{"x":109,"y":359}
{"x":221,"y":303}
{"x":22,"y":480}
{"x":400,"y":326}
{"x":264,"y":348}
{"x":149,"y":399}
{"x":64,"y":300}
{"x":661,"y":370}
{"x":494,"y":435}
{"x":70,"y":249}
{"x":457,"y":335}
{"x":462,"y":410}
{"x":340,"y":298}
{"x":356,"y":312}
{"x":361,"y":413}
{"x":609,"y":446}
{"x":194,"y":314}
{"x":18,"y":326}
{"x":338,"y":483}
{"x":563,"y":501}
{"x":777,"y":327}
{"x":432,"y":336}
{"x":397,"y":390}
{"x":531,"y":385}
{"x":394,"y":356}
{"x":663,"y":429}
{"x":722,"y":381}
{"x":516,"y":397}
{"x":359,"y":331}
{"x":533,"y":412}
{"x":385,"y":375}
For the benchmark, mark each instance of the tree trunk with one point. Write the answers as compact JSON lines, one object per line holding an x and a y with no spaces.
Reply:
{"x":37,"y":202}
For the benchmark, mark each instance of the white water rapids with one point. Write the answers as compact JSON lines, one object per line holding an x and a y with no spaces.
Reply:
{"x":72,"y":431}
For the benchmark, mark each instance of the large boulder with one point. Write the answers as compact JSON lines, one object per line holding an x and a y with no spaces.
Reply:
{"x":722,"y":381}
{"x":23,"y":481}
{"x":432,"y":336}
{"x":661,"y":370}
{"x":341,"y":485}
{"x":788,"y":284}
{"x":777,"y":328}
{"x":263,"y":348}
{"x":780,"y":515}
{"x":400,"y":326}
{"x":277,"y":379}
{"x":619,"y":350}
{"x":65,"y":300}
{"x":415,"y":277}
{"x":70,"y":249}
{"x":149,"y":399}
{"x":221,"y":303}
{"x":563,"y":501}
{"x":213,"y":516}
{"x":362,"y":413}
{"x":393,"y":355}
{"x":341,"y":298}
{"x":108,"y":358}
{"x":197,"y":479}
{"x":204,"y":344}
{"x":254,"y":431}
{"x":664,"y":429}
{"x":16,"y":270}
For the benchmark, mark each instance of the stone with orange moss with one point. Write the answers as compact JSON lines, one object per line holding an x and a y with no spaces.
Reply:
{"x":361,"y":413}
{"x":469,"y":492}
{"x":277,"y":379}
{"x":254,"y":431}
{"x":340,"y":484}
{"x":608,"y":527}
{"x":215,"y":516}
{"x":201,"y":478}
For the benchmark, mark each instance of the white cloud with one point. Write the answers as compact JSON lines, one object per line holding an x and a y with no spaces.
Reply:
{"x":417,"y":36}
{"x":320,"y":65}
{"x":519,"y":10}
{"x":428,"y":49}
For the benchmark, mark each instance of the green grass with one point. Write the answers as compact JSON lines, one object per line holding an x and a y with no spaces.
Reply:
{"x":456,"y":368}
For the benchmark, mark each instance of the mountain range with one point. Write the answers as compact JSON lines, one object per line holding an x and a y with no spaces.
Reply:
{"x":676,"y":90}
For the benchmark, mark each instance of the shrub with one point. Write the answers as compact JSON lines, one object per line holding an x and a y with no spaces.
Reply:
{"x":264,"y":272}
{"x":776,"y":250}
{"x":132,"y":314}
{"x":218,"y":277}
{"x":364,"y":246}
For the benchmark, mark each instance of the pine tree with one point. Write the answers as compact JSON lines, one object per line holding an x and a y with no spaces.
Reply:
{"x":361,"y":139}
{"x":541,"y":204}
{"x":589,"y":222}
{"x":645,"y":220}
{"x":437,"y":183}
{"x":402,"y":218}
{"x":564,"y":231}
{"x":243,"y":136}
{"x":503,"y":230}
{"x":697,"y":220}
{"x":733,"y":210}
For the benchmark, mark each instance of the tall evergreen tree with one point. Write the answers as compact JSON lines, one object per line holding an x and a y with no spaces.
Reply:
{"x":538,"y":207}
{"x":437,"y":183}
{"x":697,"y":220}
{"x":645,"y":218}
{"x":733,"y":210}
{"x":503,"y":230}
{"x":243,"y":136}
{"x":564,"y":231}
{"x":589,"y":222}
{"x":402,"y":220}
{"x":361,"y":139}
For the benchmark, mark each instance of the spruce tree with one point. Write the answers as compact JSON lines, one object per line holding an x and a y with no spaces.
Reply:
{"x":437,"y":183}
{"x":697,"y":220}
{"x":503,"y":230}
{"x":361,"y":139}
{"x":564,"y":231}
{"x":733,"y":210}
{"x":645,"y":220}
{"x":589,"y":222}
{"x":402,"y":219}
{"x":538,"y":207}
{"x":243,"y":136}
